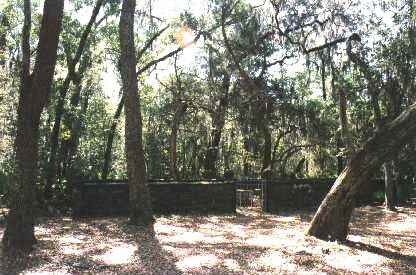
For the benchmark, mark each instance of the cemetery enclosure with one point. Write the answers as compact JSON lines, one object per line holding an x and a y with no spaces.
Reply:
{"x":111,"y":198}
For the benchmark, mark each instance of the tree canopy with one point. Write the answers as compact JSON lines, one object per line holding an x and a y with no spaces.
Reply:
{"x":210,"y":89}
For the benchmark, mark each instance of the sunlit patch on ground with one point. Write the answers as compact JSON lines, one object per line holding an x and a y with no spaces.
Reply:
{"x":360,"y":263}
{"x":195,"y":262}
{"x":121,"y":254}
{"x":250,"y":242}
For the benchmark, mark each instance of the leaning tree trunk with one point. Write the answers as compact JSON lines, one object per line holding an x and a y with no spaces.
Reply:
{"x":332,"y":218}
{"x":379,"y":121}
{"x":110,"y":139}
{"x":140,"y":206}
{"x":59,"y":109}
{"x":34,"y":92}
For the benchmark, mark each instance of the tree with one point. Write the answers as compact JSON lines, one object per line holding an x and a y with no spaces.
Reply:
{"x":180,"y":107}
{"x":331,"y":221}
{"x":34,"y":92}
{"x":110,"y":139}
{"x":140,"y":205}
{"x":117,"y":114}
{"x":71,"y":75}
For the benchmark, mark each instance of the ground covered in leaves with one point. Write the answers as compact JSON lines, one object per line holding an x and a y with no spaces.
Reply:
{"x":246,"y":243}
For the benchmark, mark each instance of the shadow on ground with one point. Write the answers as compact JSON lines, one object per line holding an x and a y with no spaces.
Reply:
{"x":246,"y":243}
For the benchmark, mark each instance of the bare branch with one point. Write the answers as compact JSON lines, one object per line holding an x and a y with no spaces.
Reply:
{"x":150,"y":42}
{"x":87,"y":31}
{"x":177,"y":50}
{"x":326,"y":45}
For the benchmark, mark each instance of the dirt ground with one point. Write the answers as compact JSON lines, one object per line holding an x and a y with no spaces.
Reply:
{"x":247,"y":243}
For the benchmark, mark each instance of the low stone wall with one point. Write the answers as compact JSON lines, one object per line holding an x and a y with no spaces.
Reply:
{"x":111,"y":198}
{"x":309,"y":193}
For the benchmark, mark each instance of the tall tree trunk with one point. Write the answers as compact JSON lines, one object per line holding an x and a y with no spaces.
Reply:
{"x":331,"y":221}
{"x":389,"y":182}
{"x":323,"y":77}
{"x":266,"y":170}
{"x":140,"y":204}
{"x":110,"y":139}
{"x":59,"y":110}
{"x":34,"y":92}
{"x":218,"y":121}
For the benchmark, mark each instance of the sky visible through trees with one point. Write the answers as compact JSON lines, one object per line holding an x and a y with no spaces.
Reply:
{"x":169,"y":9}
{"x":236,"y":108}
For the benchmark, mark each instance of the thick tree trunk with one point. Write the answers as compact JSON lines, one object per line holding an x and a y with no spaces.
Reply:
{"x":140,"y":205}
{"x":333,"y":216}
{"x":110,"y":139}
{"x":34,"y":92}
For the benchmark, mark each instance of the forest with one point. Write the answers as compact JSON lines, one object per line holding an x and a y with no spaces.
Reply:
{"x":157,"y":104}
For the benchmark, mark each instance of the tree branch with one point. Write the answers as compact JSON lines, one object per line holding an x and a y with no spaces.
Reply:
{"x":150,"y":42}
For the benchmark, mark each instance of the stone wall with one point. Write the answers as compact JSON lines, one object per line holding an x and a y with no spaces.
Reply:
{"x":309,"y":193}
{"x":111,"y":198}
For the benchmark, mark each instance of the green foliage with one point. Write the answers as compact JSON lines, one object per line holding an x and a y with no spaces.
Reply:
{"x":304,"y":127}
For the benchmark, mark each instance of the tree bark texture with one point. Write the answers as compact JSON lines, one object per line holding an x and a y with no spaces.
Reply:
{"x":331,"y":221}
{"x":34,"y":92}
{"x":140,"y":205}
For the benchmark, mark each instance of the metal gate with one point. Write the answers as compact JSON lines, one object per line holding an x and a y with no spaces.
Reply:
{"x":250,"y":193}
